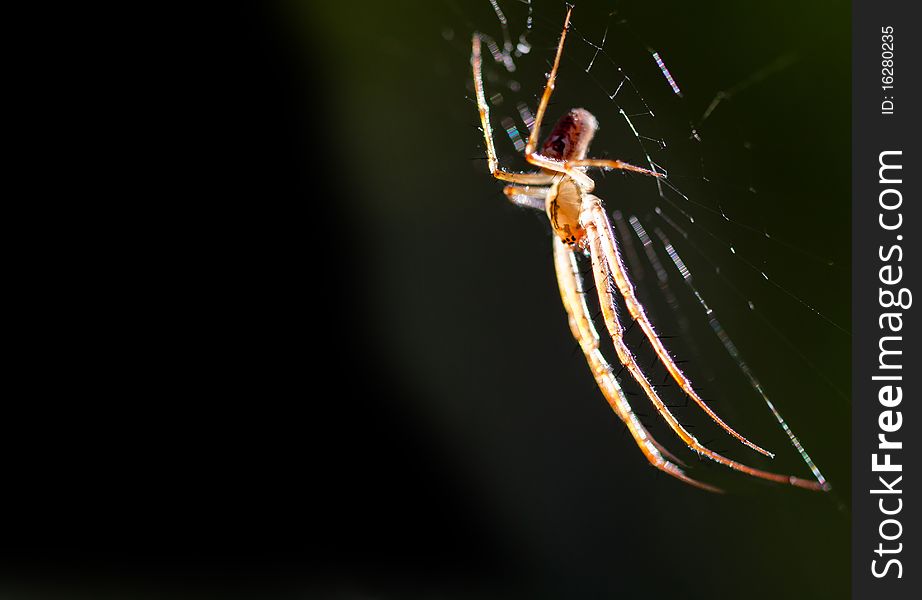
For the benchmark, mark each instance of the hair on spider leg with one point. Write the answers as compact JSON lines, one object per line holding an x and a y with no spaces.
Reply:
{"x":684,"y":404}
{"x":586,"y":273}
{"x":583,"y":292}
{"x":576,"y":348}
{"x":667,"y":336}
{"x":708,"y":446}
{"x":630,"y":325}
{"x":654,"y":359}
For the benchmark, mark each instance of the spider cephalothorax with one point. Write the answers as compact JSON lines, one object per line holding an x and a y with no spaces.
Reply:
{"x":571,"y":136}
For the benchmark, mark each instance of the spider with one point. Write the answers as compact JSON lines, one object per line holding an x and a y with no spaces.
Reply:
{"x":563,"y":190}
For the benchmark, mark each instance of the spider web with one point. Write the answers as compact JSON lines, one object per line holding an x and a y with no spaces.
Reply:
{"x":714,"y":264}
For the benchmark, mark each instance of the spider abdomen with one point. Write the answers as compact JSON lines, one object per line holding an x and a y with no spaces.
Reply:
{"x":563,"y":205}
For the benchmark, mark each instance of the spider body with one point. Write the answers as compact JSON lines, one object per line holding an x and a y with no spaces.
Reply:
{"x":568,"y":141}
{"x":563,"y":190}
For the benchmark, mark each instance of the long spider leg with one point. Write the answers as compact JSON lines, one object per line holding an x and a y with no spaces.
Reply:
{"x":557,"y":166}
{"x":603,"y":163}
{"x":574,"y":168}
{"x":528,"y":197}
{"x":548,"y":89}
{"x":583,"y":330}
{"x":616,"y":265}
{"x":567,"y":167}
{"x":602,"y":274}
{"x":484,"y":110}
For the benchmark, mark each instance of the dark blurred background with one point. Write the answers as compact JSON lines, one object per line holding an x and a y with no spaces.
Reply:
{"x":337,"y":366}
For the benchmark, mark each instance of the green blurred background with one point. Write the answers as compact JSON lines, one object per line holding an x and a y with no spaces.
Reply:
{"x":528,"y":486}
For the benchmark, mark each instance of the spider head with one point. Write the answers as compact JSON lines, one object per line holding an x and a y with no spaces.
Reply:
{"x":570,"y":138}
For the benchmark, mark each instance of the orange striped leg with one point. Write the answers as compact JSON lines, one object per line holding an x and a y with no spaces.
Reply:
{"x":484,"y":110}
{"x":528,"y":196}
{"x":572,"y":295}
{"x":609,"y":249}
{"x":531,"y":156}
{"x":601,"y":163}
{"x":548,"y":90}
{"x":603,"y":275}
